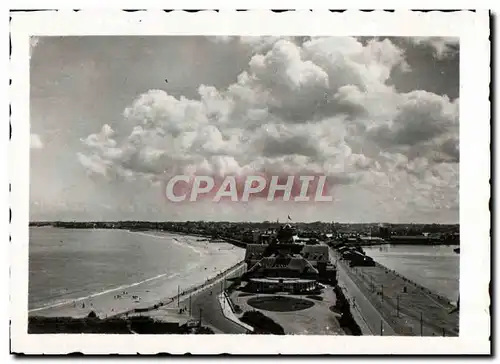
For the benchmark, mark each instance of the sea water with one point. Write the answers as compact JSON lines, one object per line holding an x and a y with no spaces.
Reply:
{"x":434,"y":267}
{"x":66,"y":264}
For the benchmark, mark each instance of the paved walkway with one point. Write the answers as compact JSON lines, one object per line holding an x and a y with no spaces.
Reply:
{"x":228,"y":312}
{"x":318,"y":319}
{"x":386,"y":299}
{"x":202,"y":303}
{"x":211,"y":284}
{"x":367,"y":316}
{"x":206,"y":305}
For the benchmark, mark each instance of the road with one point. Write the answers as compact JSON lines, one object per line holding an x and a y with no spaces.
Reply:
{"x":372,"y":318}
{"x":211,"y":312}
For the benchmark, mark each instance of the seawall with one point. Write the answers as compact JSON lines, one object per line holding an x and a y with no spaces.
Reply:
{"x":185,"y":293}
{"x":406,"y":307}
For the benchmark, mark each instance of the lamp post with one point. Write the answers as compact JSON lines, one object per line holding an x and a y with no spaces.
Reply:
{"x":421,"y":325}
{"x":397,"y":305}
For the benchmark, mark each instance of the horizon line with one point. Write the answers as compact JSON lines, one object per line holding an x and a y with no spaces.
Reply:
{"x":246,"y":221}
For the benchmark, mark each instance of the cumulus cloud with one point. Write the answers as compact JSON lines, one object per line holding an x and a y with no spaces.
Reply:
{"x":94,"y":163}
{"x":321,"y":106}
{"x":255,"y":43}
{"x":425,"y":124}
{"x":35,"y":141}
{"x":443,"y":46}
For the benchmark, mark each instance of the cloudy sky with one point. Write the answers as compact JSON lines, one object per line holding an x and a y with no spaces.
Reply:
{"x":378,"y":116}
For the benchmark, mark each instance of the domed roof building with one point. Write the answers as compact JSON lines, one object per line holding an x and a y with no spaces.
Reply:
{"x":286,"y":233}
{"x":298,"y":267}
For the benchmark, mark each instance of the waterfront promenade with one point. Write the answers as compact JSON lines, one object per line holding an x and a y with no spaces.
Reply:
{"x":367,"y":316}
{"x":205,"y":304}
{"x":390,"y":304}
{"x":201,"y":303}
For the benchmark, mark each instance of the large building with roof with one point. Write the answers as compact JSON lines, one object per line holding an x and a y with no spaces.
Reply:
{"x":287,"y":266}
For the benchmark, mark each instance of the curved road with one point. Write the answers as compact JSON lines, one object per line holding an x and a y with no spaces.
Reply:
{"x":211,"y":312}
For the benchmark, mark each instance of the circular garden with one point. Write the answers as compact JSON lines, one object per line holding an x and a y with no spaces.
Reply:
{"x":280,"y":303}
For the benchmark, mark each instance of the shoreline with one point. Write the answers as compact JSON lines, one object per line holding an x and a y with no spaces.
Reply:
{"x":407,"y":307}
{"x":440,"y":295}
{"x":173,"y":322}
{"x":424,"y":288}
{"x":153,"y":290}
{"x":183,"y":295}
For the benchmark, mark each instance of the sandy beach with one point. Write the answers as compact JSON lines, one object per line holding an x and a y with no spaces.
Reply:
{"x":214,"y":258}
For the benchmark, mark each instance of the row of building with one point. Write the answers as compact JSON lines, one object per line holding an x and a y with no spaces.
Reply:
{"x":355,"y":255}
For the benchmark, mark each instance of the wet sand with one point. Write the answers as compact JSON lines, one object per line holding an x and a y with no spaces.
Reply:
{"x":215,"y":258}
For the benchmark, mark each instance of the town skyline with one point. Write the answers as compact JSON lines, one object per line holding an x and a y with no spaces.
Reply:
{"x":270,"y":222}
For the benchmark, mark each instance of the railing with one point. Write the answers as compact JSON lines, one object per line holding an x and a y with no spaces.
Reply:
{"x":415,"y":312}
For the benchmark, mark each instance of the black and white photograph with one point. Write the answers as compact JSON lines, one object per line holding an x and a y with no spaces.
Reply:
{"x":251,"y":186}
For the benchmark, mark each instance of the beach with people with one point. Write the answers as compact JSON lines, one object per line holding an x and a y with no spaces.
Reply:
{"x":198,"y":263}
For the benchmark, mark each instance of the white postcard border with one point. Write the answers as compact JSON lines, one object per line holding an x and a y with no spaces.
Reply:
{"x":473,"y":30}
